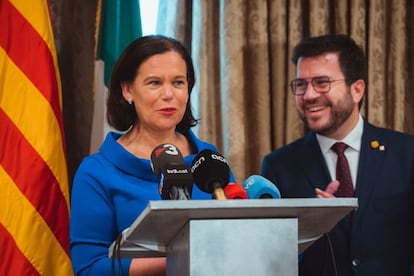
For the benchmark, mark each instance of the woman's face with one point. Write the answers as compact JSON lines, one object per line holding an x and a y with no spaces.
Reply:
{"x":159,"y":91}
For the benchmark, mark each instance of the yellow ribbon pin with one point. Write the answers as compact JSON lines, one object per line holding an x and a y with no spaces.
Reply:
{"x":375,"y":145}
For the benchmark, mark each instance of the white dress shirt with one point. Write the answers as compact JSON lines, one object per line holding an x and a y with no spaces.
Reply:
{"x":353,"y":140}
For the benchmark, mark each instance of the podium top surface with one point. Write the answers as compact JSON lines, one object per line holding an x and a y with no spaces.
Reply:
{"x":162,"y":220}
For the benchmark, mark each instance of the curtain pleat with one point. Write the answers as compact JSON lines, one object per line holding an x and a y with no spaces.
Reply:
{"x":241,"y":51}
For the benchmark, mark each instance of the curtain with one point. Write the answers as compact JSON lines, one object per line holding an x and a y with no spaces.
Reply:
{"x":242,"y":49}
{"x":74,"y":28}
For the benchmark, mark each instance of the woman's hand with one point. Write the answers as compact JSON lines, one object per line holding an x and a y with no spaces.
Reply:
{"x":148,"y":267}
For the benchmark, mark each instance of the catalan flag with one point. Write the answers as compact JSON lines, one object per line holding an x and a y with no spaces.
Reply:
{"x":34,"y":190}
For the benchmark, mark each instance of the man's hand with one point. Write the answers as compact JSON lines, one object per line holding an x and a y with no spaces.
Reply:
{"x":330,"y":190}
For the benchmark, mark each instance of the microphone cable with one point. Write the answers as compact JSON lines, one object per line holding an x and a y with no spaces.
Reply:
{"x":331,"y":251}
{"x":116,"y":255}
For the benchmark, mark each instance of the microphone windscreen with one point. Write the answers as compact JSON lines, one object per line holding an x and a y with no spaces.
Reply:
{"x":235,"y":191}
{"x":210,"y":170}
{"x":163,"y":155}
{"x":176,"y":178}
{"x":257,"y":186}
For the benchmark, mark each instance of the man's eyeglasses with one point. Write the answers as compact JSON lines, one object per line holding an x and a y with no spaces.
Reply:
{"x":320,"y":85}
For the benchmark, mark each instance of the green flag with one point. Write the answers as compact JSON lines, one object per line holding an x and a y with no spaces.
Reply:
{"x":120,"y":23}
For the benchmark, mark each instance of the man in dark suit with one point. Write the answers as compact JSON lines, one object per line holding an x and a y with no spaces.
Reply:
{"x":378,"y":237}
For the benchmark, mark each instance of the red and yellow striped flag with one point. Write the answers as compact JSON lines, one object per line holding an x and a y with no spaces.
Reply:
{"x":34,"y":190}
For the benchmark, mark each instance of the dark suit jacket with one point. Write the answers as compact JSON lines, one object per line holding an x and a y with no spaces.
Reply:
{"x":379,"y":240}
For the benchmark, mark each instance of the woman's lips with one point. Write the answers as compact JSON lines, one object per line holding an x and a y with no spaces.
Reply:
{"x":168,"y":110}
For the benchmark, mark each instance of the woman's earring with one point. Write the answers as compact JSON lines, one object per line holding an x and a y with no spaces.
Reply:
{"x":130,"y":101}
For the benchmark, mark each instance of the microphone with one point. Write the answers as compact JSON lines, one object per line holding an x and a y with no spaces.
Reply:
{"x":176,"y":179}
{"x":211,"y":172}
{"x":235,"y":191}
{"x":257,"y":186}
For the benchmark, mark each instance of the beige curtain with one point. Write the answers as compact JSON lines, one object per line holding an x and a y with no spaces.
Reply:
{"x":242,"y":50}
{"x":74,"y":30}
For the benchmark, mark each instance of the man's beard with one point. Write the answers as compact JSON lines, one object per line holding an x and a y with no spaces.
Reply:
{"x":338,"y":115}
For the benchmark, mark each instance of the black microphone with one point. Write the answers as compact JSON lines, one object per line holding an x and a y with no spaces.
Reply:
{"x":176,"y":179}
{"x":256,"y":186}
{"x":211,"y":172}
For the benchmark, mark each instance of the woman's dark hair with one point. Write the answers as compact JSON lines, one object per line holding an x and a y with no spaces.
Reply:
{"x":120,"y":114}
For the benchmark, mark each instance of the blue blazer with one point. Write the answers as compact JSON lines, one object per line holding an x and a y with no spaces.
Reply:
{"x":379,"y":239}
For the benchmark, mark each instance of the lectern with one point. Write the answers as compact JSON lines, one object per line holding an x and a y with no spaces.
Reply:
{"x":230,"y":237}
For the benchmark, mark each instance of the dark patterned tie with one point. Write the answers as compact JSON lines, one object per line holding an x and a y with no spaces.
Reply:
{"x":343,"y":174}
